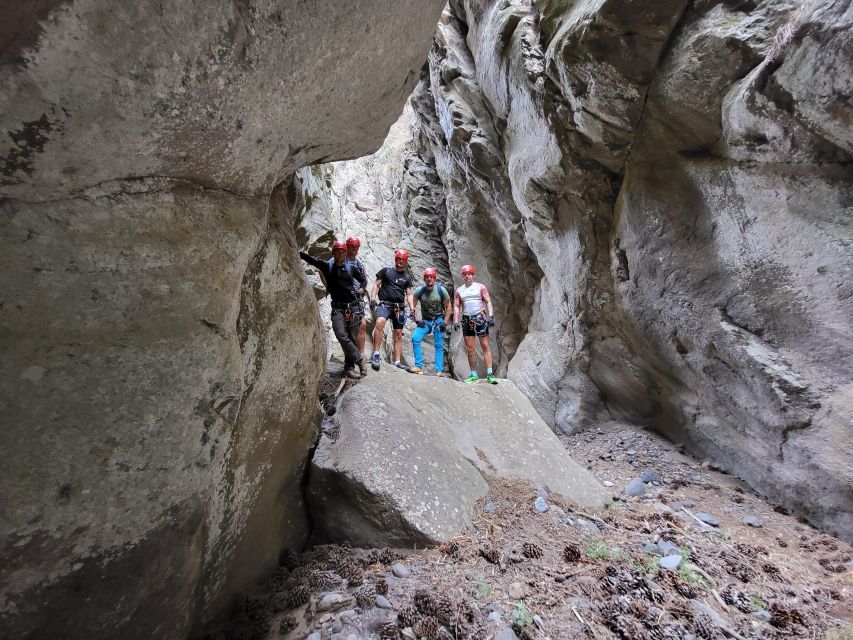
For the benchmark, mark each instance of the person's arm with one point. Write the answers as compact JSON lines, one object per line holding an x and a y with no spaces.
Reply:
{"x":447,"y":310}
{"x":411,"y":300}
{"x":374,"y":292}
{"x":457,"y":301}
{"x":321,"y":265}
{"x":488,"y":300}
{"x":361,"y":277}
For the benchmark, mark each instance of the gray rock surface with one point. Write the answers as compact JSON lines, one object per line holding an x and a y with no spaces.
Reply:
{"x":670,"y":562}
{"x":699,"y":285}
{"x":435,"y":459}
{"x":160,"y":355}
{"x":635,"y":488}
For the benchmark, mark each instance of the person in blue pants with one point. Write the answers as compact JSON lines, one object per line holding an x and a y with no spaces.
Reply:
{"x":435,"y":316}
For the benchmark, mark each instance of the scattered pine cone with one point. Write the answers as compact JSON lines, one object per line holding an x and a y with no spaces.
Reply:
{"x":531,"y":550}
{"x":427,"y":628}
{"x":386,"y":556}
{"x":781,"y":542}
{"x":287,"y":624}
{"x":389,"y":630}
{"x":381,"y":586}
{"x":627,"y":628}
{"x":434,"y":605}
{"x":490,"y":554}
{"x":770,"y":569}
{"x":407,"y":616}
{"x":351,"y":572}
{"x":705,"y":627}
{"x":279,"y":577}
{"x":449,"y":547}
{"x":259,"y":612}
{"x":365,"y":596}
{"x":571,"y":553}
{"x":321,"y":580}
{"x":298,"y":596}
{"x":733,"y":596}
{"x":289,"y":558}
{"x":783,"y":616}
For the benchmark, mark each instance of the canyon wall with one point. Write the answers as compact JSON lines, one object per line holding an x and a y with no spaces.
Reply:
{"x":160,"y":351}
{"x":659,"y":198}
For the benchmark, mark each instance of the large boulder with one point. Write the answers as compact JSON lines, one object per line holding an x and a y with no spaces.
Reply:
{"x":413,"y":453}
{"x":160,"y":353}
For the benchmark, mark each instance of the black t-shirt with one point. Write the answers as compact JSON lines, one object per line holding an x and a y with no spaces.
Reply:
{"x":394,"y":284}
{"x":341,"y":282}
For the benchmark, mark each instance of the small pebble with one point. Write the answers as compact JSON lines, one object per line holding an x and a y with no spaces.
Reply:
{"x":589,"y":526}
{"x":667,"y":548}
{"x":490,"y":507}
{"x":337,"y":627}
{"x":607,"y":483}
{"x":707,"y":518}
{"x":670,"y":562}
{"x":506,"y":634}
{"x":569,"y":521}
{"x":540,"y":505}
{"x":635,"y":488}
{"x":516,"y":591}
{"x":494,"y":616}
{"x":542,"y":492}
{"x":383,"y":603}
{"x":752,"y":521}
{"x":649,"y":475}
{"x":332,"y":601}
{"x":631,"y":452}
{"x":538,"y":619}
{"x":315,"y":635}
{"x":762,"y":615}
{"x":400,"y":570}
{"x":660,"y":506}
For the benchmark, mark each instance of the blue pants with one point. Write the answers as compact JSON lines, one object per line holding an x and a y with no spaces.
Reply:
{"x":419,"y":334}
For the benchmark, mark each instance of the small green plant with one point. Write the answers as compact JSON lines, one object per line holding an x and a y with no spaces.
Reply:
{"x":483,"y":587}
{"x":613,"y":505}
{"x":520,"y":616}
{"x":692,"y":577}
{"x":597,"y":548}
{"x":757,"y":603}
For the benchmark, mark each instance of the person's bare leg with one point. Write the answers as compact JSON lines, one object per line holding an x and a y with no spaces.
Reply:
{"x":487,"y":351}
{"x":472,"y":354}
{"x":362,"y":335}
{"x":378,"y":333}
{"x":398,"y":344}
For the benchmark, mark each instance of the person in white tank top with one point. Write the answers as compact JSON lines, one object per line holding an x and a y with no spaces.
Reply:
{"x":473,"y":301}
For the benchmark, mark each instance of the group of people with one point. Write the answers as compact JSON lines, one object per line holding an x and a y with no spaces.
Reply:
{"x":392,"y":298}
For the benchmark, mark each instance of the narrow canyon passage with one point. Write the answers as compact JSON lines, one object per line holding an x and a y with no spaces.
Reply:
{"x":657,"y":198}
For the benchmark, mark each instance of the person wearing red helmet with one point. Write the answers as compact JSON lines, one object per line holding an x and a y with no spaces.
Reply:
{"x":473,"y":300}
{"x":342,"y":285}
{"x":390,"y":298}
{"x":435,"y":316}
{"x":353,"y":245}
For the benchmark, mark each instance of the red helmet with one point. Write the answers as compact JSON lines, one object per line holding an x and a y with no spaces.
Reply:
{"x":402,"y":254}
{"x":339,"y":244}
{"x":466,"y":269}
{"x":429,"y":272}
{"x":352,"y":241}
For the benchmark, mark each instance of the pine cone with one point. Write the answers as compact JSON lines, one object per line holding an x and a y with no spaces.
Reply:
{"x":287,"y":624}
{"x":427,"y":628}
{"x":490,"y":554}
{"x":531,"y":550}
{"x":463,"y":620}
{"x":351,"y":572}
{"x":298,"y":596}
{"x":381,"y":587}
{"x":770,"y":569}
{"x":407,"y":616}
{"x":386,"y":556}
{"x":733,"y":596}
{"x":279,"y":577}
{"x":389,"y":631}
{"x":782,"y":616}
{"x":672,"y":631}
{"x":705,"y":627}
{"x":449,"y":548}
{"x":321,"y":580}
{"x":365,"y":596}
{"x":289,"y":558}
{"x":628,"y":628}
{"x":571,"y":553}
{"x":259,"y":611}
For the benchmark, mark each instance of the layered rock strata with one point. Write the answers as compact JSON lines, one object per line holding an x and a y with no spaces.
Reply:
{"x":659,"y":196}
{"x":160,"y":356}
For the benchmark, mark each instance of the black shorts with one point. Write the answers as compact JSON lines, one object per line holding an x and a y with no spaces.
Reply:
{"x":396,"y":312}
{"x":475,"y":326}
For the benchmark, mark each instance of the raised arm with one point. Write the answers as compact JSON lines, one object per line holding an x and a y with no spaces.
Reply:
{"x":322,"y":265}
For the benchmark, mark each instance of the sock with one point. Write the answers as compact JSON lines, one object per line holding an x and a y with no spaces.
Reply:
{"x":474,"y":374}
{"x":376,"y":353}
{"x":489,"y":371}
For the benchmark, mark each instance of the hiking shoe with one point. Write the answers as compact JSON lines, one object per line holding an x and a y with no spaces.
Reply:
{"x":400,"y":365}
{"x":374,"y":362}
{"x":471,"y":379}
{"x":440,"y":374}
{"x":492,"y":379}
{"x":352,"y":373}
{"x":362,"y":367}
{"x":417,"y":370}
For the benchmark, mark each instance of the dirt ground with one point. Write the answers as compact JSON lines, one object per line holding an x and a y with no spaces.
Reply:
{"x":561,"y":574}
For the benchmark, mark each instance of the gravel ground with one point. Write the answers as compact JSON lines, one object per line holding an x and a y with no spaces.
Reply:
{"x":524,"y":572}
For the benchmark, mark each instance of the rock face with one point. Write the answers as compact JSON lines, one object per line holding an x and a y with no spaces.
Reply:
{"x":659,"y":198}
{"x":413,"y":454}
{"x":160,"y":355}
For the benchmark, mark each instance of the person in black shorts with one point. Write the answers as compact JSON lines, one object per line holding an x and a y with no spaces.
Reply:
{"x":342,"y":284}
{"x":390,"y":298}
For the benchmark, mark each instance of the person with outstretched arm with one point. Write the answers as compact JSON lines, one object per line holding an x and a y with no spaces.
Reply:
{"x":347,"y":311}
{"x":473,"y":300}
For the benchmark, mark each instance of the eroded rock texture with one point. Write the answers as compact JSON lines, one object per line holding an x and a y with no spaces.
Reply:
{"x":658,"y":195}
{"x":159,"y":352}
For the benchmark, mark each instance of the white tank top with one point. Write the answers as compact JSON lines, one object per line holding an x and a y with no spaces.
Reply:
{"x":472,"y":298}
